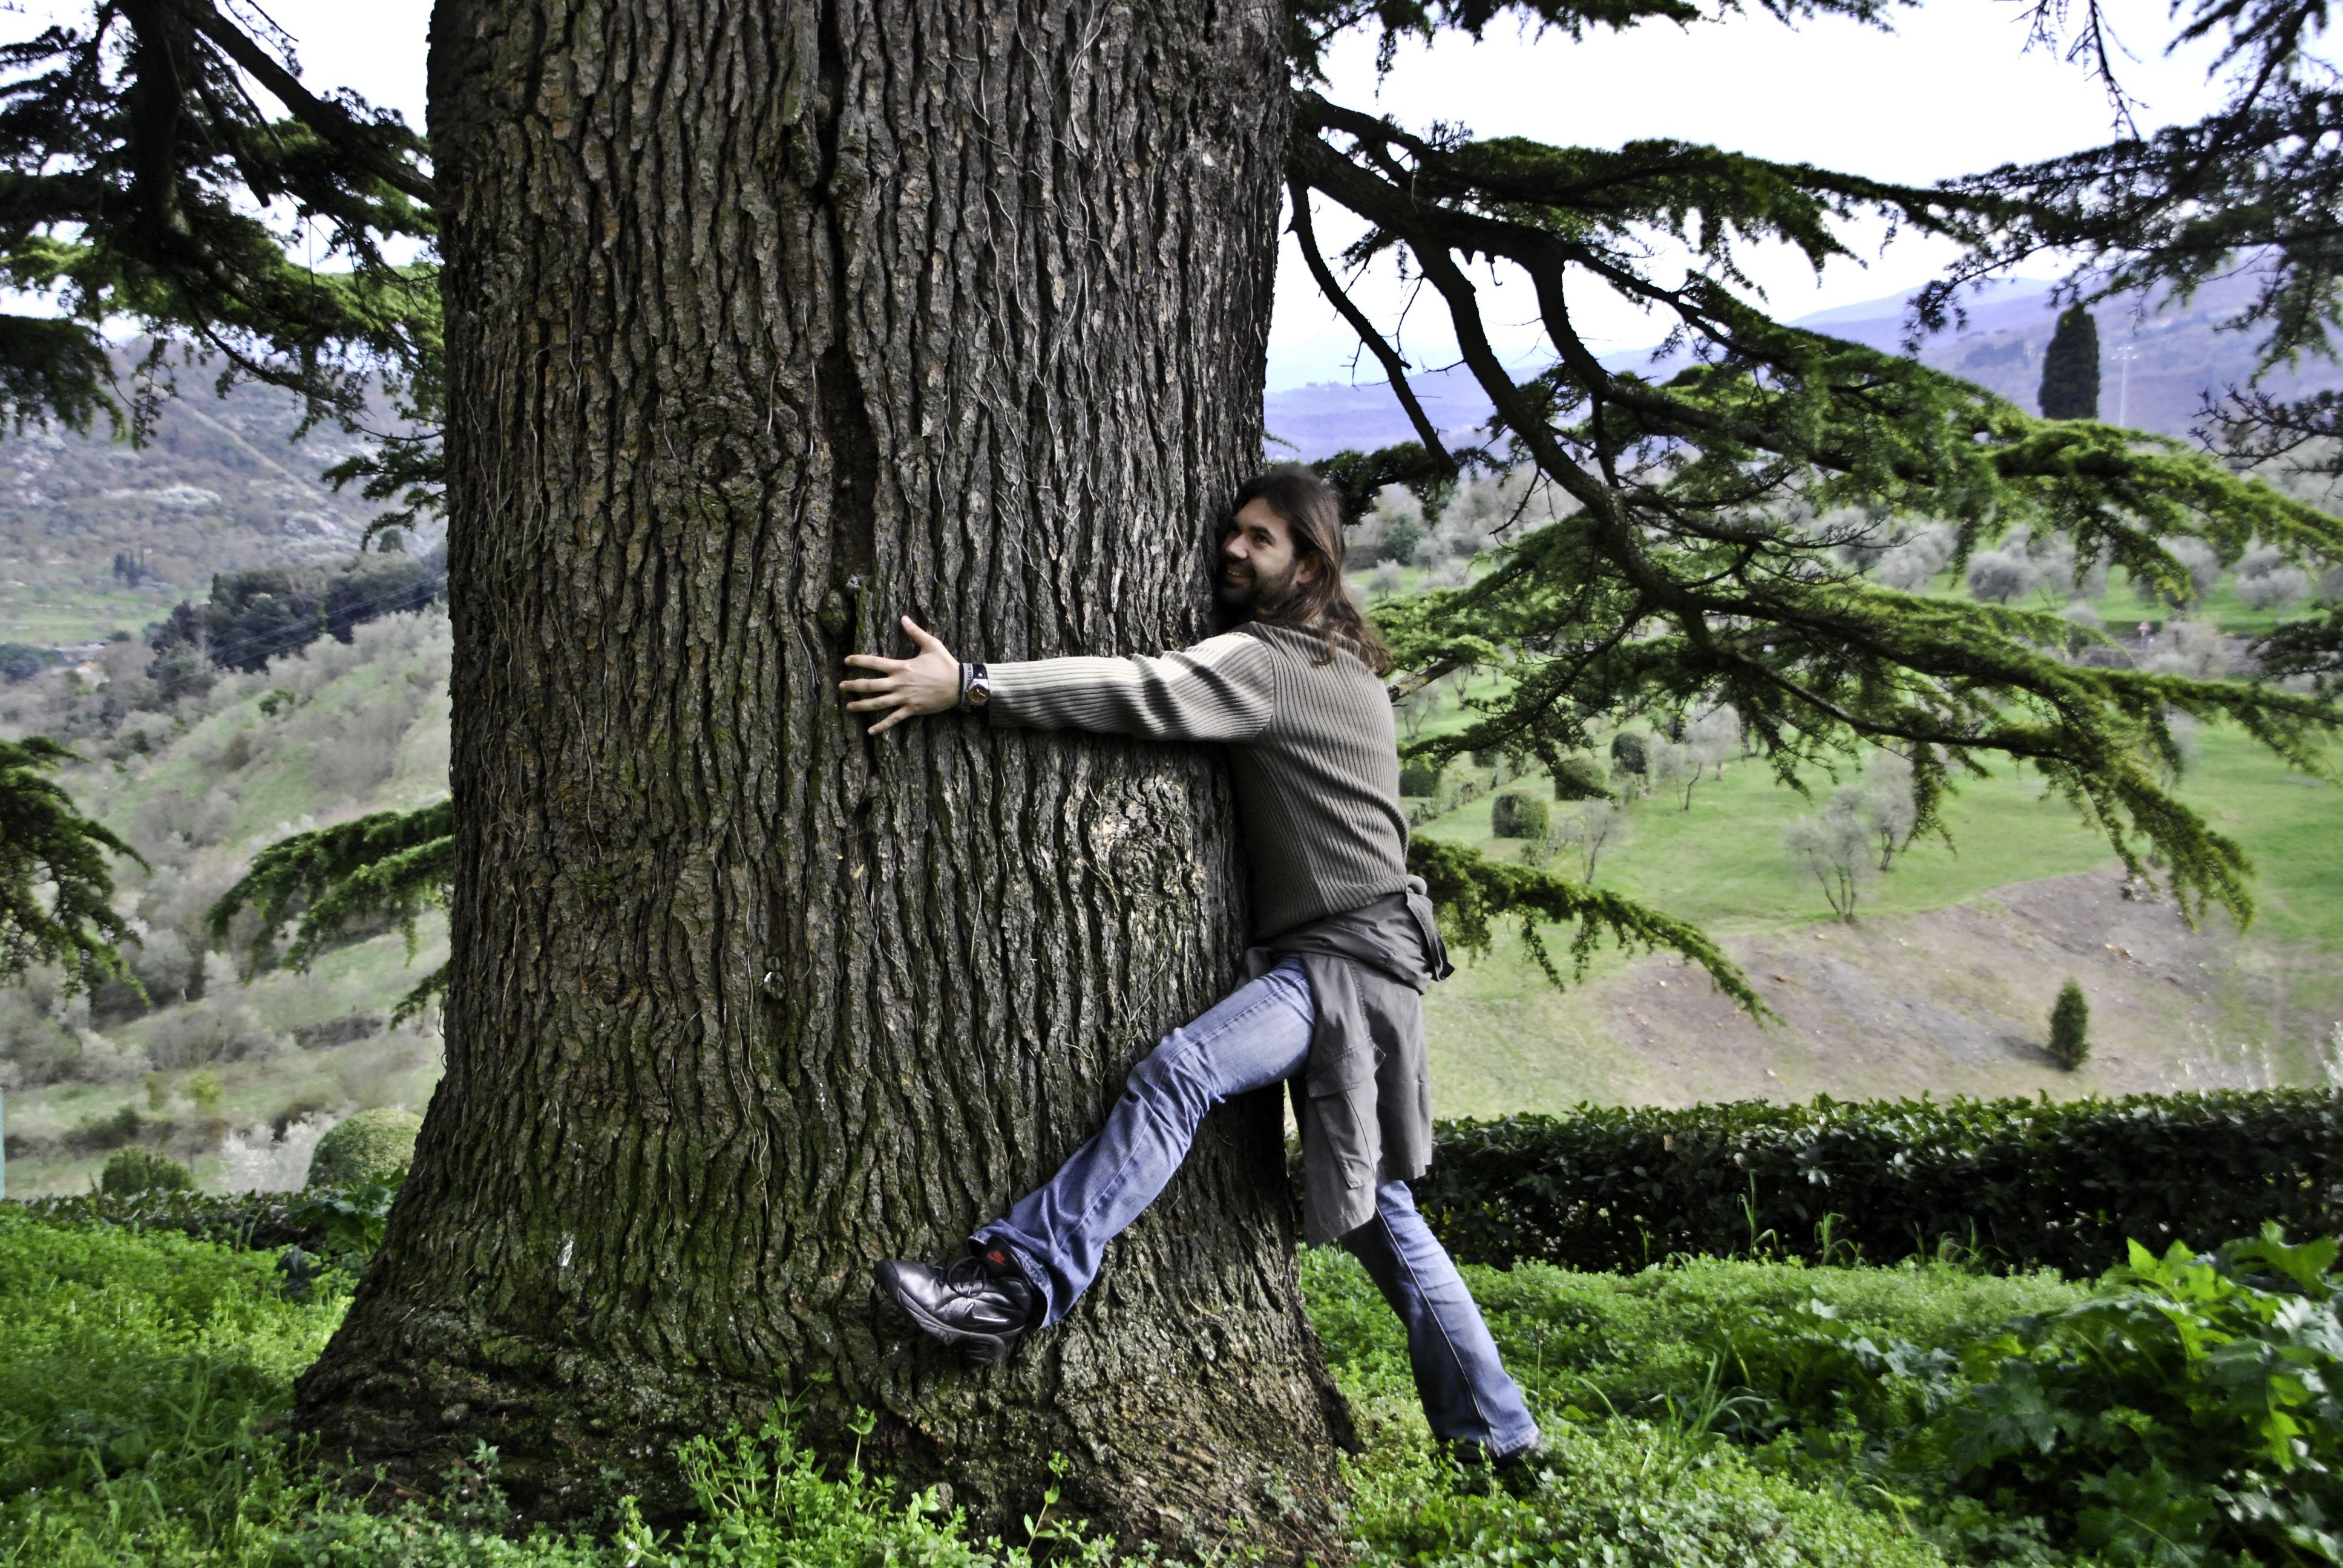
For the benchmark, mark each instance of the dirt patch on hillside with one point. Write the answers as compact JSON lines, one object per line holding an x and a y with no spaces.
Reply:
{"x":1957,"y":1001}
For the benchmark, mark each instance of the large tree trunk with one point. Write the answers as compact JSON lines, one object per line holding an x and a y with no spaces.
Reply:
{"x":767,"y":323}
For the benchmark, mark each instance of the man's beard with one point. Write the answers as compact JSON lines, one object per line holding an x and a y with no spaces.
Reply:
{"x":1243,"y":593}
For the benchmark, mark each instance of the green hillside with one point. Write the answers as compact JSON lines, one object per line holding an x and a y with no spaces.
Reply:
{"x":1942,"y":984}
{"x":199,"y":787}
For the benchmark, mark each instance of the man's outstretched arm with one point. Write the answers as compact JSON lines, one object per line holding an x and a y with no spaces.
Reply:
{"x":1223,"y":688}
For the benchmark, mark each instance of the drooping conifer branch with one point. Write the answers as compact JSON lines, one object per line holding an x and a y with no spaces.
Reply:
{"x":1471,"y":890}
{"x":1707,"y":565}
{"x":144,"y":180}
{"x":324,"y":882}
{"x":57,"y":893}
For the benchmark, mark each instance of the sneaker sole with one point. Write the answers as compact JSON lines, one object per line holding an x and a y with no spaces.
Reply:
{"x":984,"y":1349}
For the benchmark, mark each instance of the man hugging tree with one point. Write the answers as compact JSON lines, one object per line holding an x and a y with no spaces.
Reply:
{"x":1344,"y":946}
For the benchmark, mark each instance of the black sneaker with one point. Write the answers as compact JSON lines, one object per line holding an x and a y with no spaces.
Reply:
{"x":1516,"y":1475}
{"x":980,"y":1306}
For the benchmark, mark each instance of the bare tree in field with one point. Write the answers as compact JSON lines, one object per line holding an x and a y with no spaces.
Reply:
{"x":1886,"y":806}
{"x":1835,"y":849}
{"x":1595,"y":827}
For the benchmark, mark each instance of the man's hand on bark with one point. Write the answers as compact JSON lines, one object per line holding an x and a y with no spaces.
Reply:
{"x":927,"y":682}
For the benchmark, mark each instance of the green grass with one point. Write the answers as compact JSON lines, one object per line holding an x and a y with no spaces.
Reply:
{"x":1727,"y":1414}
{"x":145,"y":1380}
{"x":1721,"y":863}
{"x":1629,"y":1343}
{"x":1502,"y":1039}
{"x":46,"y":606}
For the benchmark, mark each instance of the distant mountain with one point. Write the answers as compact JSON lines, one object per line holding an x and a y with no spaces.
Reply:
{"x":2156,"y":365}
{"x":94,"y":533}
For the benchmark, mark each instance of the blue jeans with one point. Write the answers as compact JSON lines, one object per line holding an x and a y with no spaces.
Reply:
{"x":1257,"y":1036}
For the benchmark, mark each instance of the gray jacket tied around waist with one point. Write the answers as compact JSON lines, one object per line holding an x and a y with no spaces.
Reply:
{"x":1364,"y":1099}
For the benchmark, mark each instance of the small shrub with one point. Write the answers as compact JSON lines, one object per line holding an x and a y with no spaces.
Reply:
{"x":1630,"y":753}
{"x":2070,"y":1028}
{"x":214,"y":1029}
{"x":205,"y":1092}
{"x":1418,"y":778}
{"x":139,"y":1169}
{"x":1518,"y":814}
{"x":95,"y":1134}
{"x":370,"y":1148}
{"x":1580,"y":777}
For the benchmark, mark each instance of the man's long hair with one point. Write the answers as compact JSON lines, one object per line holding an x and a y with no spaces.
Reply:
{"x":1321,"y":601}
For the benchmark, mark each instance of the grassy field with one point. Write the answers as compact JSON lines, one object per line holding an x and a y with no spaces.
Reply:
{"x":1503,"y":1039}
{"x":1721,"y":862}
{"x":1731,"y":1414}
{"x":49,"y":605}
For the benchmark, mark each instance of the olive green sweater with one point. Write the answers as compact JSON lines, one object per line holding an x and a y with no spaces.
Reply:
{"x":1311,"y":749}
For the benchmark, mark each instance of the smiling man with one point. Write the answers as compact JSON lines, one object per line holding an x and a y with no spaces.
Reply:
{"x":1344,"y":947}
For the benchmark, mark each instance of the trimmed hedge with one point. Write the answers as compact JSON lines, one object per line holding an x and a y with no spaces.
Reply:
{"x":1420,"y":778}
{"x":371,"y":1146}
{"x":139,"y":1169}
{"x":1518,"y":814}
{"x":2017,"y":1183}
{"x":246,"y":1220}
{"x":1579,"y":776}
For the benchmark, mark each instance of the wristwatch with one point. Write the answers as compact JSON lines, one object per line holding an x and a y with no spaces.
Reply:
{"x":975,"y":688}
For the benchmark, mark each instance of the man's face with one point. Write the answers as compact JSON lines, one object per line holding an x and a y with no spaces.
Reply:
{"x":1257,"y":564}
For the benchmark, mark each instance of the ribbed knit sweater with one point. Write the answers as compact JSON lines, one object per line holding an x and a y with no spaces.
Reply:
{"x":1311,"y":749}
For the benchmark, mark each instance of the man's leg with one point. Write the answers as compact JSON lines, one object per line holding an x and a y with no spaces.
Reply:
{"x":1054,"y":1238}
{"x":1468,"y":1397}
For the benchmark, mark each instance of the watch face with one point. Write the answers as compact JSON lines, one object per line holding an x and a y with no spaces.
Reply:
{"x":979,"y":694}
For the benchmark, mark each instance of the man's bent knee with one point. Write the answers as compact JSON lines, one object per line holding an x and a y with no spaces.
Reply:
{"x":1172,"y":1074}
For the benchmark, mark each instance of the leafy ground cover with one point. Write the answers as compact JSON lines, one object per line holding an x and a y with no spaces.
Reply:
{"x":1731,"y":1414}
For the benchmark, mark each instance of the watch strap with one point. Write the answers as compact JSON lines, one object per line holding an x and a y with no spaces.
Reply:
{"x":975,"y":688}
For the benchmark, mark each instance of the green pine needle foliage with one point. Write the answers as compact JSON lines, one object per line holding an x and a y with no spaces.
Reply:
{"x":1471,"y":890}
{"x":391,"y":863}
{"x":2070,"y":1028}
{"x":1719,"y":509}
{"x":57,"y":893}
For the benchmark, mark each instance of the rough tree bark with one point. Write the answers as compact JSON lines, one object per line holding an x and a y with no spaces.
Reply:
{"x":767,"y":322}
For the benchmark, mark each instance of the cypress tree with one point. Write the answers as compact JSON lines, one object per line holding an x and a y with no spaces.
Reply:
{"x":2070,"y":1028}
{"x":2070,"y":367}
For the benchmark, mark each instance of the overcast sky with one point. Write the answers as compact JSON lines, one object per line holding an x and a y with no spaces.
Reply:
{"x":1953,"y":89}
